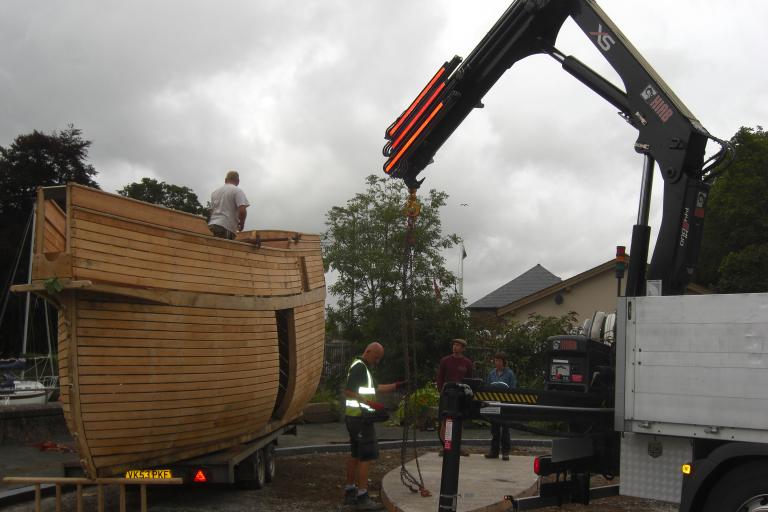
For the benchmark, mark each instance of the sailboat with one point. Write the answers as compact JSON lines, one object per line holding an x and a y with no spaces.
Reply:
{"x":19,"y":392}
{"x":15,"y":388}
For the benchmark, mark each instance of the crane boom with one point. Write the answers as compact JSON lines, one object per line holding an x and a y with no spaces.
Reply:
{"x":668,"y":133}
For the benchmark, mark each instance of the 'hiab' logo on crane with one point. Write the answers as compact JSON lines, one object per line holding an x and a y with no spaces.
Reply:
{"x":657,"y":103}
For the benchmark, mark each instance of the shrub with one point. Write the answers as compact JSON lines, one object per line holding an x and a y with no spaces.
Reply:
{"x":417,"y":404}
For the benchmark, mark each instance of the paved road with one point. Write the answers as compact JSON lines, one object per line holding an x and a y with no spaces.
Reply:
{"x":26,"y":459}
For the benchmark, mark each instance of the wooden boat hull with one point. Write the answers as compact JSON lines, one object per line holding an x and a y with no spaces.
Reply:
{"x":172,"y":343}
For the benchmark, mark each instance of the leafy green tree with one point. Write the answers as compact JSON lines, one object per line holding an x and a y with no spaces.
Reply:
{"x":525,"y":344}
{"x":364,"y":245}
{"x":734,"y":255}
{"x":171,"y":196}
{"x":743,"y":271}
{"x":31,"y":161}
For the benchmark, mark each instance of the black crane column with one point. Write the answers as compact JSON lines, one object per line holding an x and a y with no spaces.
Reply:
{"x":455,"y":406}
{"x":641,"y":235}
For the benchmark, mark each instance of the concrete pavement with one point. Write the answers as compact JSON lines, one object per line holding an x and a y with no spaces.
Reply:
{"x":482,"y":483}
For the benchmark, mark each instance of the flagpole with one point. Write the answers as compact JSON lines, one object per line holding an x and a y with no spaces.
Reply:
{"x":461,"y":271}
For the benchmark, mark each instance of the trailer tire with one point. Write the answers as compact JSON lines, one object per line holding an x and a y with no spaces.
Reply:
{"x":254,"y":471}
{"x":269,"y":462}
{"x":742,"y":489}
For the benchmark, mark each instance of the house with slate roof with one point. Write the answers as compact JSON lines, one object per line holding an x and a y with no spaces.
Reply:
{"x":539,"y":291}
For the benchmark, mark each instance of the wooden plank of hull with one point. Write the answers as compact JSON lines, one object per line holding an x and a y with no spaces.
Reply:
{"x":178,"y":298}
{"x":309,"y":361}
{"x":109,"y":429}
{"x":151,"y":392}
{"x":64,"y":382}
{"x":180,"y":402}
{"x":205,"y":246}
{"x":135,"y":445}
{"x":197,"y":393}
{"x":55,"y":228}
{"x":124,"y":462}
{"x":163,"y":434}
{"x":118,"y":254}
{"x":238,"y":396}
{"x":174,"y":349}
{"x":279,"y":239}
{"x":175,"y":380}
{"x":137,"y":210}
{"x":200,"y":411}
{"x":71,"y":398}
{"x":109,"y":231}
{"x":111,"y":315}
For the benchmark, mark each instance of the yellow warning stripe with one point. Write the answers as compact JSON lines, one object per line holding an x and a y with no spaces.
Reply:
{"x":517,"y":398}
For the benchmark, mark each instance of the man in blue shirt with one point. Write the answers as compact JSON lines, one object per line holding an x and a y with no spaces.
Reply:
{"x":501,"y":378}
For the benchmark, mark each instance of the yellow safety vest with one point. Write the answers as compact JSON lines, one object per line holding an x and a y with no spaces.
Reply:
{"x":353,"y":406}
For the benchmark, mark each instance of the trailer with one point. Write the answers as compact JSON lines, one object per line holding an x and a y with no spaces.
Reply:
{"x":251,"y":465}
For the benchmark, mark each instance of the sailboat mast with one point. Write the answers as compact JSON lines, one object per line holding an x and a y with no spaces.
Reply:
{"x":29,"y":281}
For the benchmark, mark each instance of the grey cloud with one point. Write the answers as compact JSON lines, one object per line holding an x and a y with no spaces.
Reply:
{"x":296,"y":95}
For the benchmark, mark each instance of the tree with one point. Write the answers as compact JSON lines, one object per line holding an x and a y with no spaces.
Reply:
{"x":31,"y":161}
{"x":734,"y":256}
{"x":165,"y":194}
{"x":525,"y":344}
{"x":364,"y":244}
{"x":36,"y":160}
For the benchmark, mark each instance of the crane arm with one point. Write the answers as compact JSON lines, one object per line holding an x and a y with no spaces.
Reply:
{"x":668,"y":133}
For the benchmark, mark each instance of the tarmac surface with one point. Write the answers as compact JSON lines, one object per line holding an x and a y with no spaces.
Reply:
{"x":43,"y":452}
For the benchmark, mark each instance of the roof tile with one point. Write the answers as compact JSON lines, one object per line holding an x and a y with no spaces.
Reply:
{"x":531,"y":281}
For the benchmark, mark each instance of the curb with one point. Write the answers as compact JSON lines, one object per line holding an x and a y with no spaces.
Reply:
{"x":394,"y":445}
{"x":22,"y":494}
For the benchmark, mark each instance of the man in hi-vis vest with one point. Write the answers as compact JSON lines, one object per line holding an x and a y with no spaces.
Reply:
{"x":360,"y":393}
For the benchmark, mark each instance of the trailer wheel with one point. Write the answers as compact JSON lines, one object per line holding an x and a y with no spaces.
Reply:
{"x":269,"y":462}
{"x":743,"y":489}
{"x":253,"y":471}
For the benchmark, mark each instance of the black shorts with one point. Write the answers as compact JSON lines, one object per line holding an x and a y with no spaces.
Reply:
{"x":362,"y":439}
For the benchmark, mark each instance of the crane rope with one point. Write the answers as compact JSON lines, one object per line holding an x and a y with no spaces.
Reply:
{"x":411,"y":210}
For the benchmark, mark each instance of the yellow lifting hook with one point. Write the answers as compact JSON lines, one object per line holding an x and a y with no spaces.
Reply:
{"x":412,"y":206}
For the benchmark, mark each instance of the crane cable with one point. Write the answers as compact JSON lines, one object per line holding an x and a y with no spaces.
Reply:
{"x":411,"y":210}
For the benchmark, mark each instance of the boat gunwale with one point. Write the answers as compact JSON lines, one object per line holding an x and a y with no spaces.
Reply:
{"x":179,"y":297}
{"x":216,"y":240}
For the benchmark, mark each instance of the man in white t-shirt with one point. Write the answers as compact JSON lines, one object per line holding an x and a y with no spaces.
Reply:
{"x":228,"y":204}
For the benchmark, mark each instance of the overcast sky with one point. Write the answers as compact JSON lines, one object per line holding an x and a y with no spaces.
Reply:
{"x":296,"y":96}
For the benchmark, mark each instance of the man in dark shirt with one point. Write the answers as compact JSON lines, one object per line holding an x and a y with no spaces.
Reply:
{"x":453,"y":368}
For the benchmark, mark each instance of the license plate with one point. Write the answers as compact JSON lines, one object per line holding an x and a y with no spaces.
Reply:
{"x":150,"y":474}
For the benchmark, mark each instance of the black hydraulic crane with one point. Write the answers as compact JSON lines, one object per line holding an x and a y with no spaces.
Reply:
{"x":668,"y":134}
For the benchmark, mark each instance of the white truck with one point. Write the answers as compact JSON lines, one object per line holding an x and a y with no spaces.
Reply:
{"x":692,"y":393}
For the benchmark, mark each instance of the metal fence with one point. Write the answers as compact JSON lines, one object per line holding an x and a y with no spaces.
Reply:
{"x":338,"y":354}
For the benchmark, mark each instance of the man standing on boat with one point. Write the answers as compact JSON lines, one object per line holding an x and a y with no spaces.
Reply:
{"x":361,"y":414}
{"x":228,"y":208}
